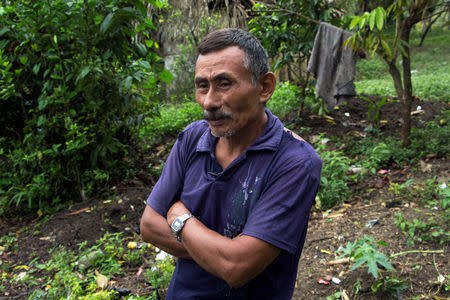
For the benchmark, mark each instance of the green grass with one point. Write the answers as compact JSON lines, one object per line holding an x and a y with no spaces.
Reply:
{"x":429,"y":64}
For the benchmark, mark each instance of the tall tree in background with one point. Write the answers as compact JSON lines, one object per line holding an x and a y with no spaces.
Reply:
{"x":372,"y":35}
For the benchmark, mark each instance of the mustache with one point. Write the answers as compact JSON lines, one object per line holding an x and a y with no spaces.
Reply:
{"x":216,"y":115}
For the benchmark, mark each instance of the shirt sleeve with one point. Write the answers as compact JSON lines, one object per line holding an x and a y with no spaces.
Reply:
{"x":280,"y":216}
{"x":170,"y":184}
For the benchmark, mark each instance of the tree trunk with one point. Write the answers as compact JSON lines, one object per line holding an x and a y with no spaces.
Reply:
{"x":396,"y":77}
{"x":407,"y":96}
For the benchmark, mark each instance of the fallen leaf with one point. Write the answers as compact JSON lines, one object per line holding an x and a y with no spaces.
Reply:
{"x":21,"y":275}
{"x":344,"y":295}
{"x":78,"y":211}
{"x":132,"y":245}
{"x":102,"y":280}
{"x":424,"y":167}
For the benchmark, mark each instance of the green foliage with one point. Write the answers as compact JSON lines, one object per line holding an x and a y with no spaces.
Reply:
{"x":183,"y":65}
{"x":419,"y":230}
{"x":333,"y":180}
{"x":433,"y":138}
{"x":374,"y":153}
{"x":171,"y":120}
{"x":364,"y":252}
{"x":160,"y":274}
{"x":286,"y":31}
{"x":373,"y":115}
{"x":285,"y":99}
{"x":335,"y":296}
{"x":70,"y":276}
{"x":76,"y":81}
{"x":9,"y":242}
{"x":391,"y":285}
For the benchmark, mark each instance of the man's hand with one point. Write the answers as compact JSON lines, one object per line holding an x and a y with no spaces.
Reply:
{"x":177,"y":209}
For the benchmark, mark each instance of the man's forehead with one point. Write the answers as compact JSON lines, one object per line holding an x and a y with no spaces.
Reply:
{"x":226,"y":61}
{"x":228,"y":54}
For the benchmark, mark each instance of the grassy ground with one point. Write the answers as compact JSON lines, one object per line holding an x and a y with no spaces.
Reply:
{"x":429,"y":65}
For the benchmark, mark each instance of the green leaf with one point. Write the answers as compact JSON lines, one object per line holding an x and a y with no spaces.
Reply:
{"x":104,"y":27}
{"x":372,"y":19}
{"x":36,"y":69}
{"x":4,"y":30}
{"x":166,"y":76}
{"x":83,"y":73}
{"x":141,"y":49}
{"x":41,"y":120}
{"x":354,"y":22}
{"x":386,"y":48}
{"x":23,"y":59}
{"x":380,"y":16}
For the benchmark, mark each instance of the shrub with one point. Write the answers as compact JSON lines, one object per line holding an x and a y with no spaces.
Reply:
{"x":333,"y":180}
{"x":75,"y":82}
{"x":285,"y":99}
{"x":171,"y":120}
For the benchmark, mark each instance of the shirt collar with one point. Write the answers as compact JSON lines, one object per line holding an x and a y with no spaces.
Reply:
{"x":269,"y":139}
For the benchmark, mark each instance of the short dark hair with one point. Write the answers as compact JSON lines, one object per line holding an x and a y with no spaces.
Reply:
{"x":255,"y":56}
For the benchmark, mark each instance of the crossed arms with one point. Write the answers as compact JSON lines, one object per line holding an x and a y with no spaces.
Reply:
{"x":236,"y":260}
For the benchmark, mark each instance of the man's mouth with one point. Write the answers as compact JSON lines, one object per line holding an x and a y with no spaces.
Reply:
{"x":216,"y":117}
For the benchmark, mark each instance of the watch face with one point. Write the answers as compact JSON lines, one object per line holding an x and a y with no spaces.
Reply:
{"x":176,"y":225}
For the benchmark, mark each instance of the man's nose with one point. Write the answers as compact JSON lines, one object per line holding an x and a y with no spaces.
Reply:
{"x":211,"y":101}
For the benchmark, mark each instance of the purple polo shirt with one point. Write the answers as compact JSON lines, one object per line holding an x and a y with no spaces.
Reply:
{"x":266,"y":192}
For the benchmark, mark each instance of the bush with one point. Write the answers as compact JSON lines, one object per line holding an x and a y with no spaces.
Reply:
{"x":75,"y":82}
{"x":171,"y":120}
{"x":333,"y":180}
{"x":285,"y":99}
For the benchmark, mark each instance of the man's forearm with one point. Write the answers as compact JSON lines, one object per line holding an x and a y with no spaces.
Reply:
{"x":155,"y":230}
{"x":235,"y":260}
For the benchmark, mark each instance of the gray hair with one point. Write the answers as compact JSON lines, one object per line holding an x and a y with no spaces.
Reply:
{"x":255,"y":59}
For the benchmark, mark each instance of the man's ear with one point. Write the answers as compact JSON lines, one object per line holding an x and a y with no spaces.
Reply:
{"x":268,"y":83}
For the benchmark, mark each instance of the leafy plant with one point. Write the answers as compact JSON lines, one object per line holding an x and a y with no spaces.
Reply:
{"x":171,"y":120}
{"x":333,"y":180}
{"x":9,"y":242}
{"x":373,"y":115}
{"x":160,"y":274}
{"x":77,"y":78}
{"x":364,"y":252}
{"x":286,"y":99}
{"x":391,"y":285}
{"x":419,"y":230}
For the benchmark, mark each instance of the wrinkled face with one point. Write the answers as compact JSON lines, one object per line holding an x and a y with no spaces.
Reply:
{"x":225,"y":91}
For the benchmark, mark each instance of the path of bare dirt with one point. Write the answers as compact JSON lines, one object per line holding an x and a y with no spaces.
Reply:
{"x":343,"y":224}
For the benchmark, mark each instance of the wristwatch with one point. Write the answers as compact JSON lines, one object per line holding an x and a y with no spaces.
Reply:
{"x":178,"y":224}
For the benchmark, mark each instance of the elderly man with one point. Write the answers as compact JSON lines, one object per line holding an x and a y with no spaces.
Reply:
{"x":234,"y":197}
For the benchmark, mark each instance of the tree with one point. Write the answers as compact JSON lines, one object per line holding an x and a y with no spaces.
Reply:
{"x":287,"y":29}
{"x":372,"y":35}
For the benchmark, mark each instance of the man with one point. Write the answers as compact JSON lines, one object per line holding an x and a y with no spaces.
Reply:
{"x":234,"y":197}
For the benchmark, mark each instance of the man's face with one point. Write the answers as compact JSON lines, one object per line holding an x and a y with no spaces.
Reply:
{"x":225,"y":91}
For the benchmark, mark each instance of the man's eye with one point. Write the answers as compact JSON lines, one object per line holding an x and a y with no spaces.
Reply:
{"x":224,"y":84}
{"x":202,"y":86}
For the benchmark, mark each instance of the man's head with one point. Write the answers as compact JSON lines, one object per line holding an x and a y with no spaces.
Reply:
{"x":255,"y":56}
{"x":232,"y":83}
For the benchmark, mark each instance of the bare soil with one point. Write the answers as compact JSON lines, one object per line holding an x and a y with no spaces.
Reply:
{"x":345,"y":223}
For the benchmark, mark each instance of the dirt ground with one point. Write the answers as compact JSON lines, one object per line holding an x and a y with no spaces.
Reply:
{"x":343,"y":224}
